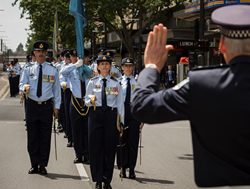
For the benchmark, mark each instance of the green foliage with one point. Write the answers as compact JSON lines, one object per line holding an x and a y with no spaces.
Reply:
{"x":41,"y":15}
{"x":119,"y":16}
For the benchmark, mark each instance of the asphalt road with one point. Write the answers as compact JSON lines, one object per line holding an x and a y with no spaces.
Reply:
{"x":167,"y":161}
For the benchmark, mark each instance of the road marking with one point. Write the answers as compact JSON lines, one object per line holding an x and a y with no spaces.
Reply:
{"x":4,"y":91}
{"x":82,"y":172}
{"x":5,"y":95}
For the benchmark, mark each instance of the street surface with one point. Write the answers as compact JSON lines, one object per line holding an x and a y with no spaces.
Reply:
{"x":167,"y":161}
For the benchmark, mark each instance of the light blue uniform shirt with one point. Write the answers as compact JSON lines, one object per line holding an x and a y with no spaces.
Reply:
{"x":16,"y":68}
{"x":71,"y":73}
{"x":26,"y":65}
{"x":59,"y":65}
{"x":123,"y":81}
{"x":113,"y":93}
{"x":50,"y":83}
{"x":64,"y":79}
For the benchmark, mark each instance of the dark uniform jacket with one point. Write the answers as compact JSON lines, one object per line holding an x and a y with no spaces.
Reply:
{"x":216,"y":100}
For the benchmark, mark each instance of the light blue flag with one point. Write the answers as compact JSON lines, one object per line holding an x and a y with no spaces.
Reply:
{"x":76,"y":9}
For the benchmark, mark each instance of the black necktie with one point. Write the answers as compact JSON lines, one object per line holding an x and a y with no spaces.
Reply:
{"x":104,"y":97}
{"x":39,"y":84}
{"x":128,"y":92}
{"x":83,"y":88}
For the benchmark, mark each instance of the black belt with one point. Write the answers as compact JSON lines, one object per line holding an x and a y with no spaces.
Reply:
{"x":99,"y":108}
{"x":40,"y":102}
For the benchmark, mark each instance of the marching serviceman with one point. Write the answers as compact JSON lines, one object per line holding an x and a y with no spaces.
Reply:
{"x":31,"y":59}
{"x":74,"y":73}
{"x":104,"y":97}
{"x":66,"y":96}
{"x":128,"y":147}
{"x":41,"y":83}
{"x":14,"y":76}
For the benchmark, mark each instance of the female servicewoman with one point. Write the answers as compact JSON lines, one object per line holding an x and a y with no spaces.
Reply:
{"x":127,"y":153}
{"x":104,"y":96}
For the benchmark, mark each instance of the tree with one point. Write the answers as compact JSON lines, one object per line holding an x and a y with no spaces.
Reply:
{"x":120,"y":17}
{"x":41,"y":15}
{"x":19,"y":49}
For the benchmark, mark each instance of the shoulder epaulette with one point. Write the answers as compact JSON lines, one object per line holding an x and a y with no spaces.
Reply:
{"x":119,"y":79}
{"x":28,"y":65}
{"x":49,"y":63}
{"x":113,"y":78}
{"x":93,"y":78}
{"x":210,"y":67}
{"x":117,"y":67}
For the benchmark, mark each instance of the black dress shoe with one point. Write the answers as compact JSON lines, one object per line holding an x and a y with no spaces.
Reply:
{"x":123,"y":173}
{"x":98,"y":185}
{"x":107,"y":186}
{"x":70,"y":144}
{"x":78,"y":160}
{"x":42,"y":170}
{"x":132,"y":174}
{"x":60,"y":130}
{"x":86,"y":160}
{"x":33,"y":170}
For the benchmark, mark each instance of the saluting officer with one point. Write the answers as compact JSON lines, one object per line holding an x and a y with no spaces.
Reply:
{"x":104,"y":97}
{"x":40,"y":82}
{"x":128,"y":147}
{"x":78,"y":110}
{"x":214,"y":99}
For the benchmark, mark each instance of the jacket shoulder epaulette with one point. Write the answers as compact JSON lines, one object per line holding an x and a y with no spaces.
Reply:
{"x":113,"y":78}
{"x":49,"y":63}
{"x":210,"y":67}
{"x":93,"y":78}
{"x":28,"y":65}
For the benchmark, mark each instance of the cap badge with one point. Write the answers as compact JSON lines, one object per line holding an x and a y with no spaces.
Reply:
{"x":41,"y":46}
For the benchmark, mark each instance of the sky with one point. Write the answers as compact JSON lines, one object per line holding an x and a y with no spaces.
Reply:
{"x":13,"y":29}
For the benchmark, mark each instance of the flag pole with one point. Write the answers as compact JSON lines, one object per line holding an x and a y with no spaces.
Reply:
{"x":55,"y":34}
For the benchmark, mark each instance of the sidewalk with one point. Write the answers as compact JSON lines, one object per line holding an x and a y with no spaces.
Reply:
{"x":4,"y":84}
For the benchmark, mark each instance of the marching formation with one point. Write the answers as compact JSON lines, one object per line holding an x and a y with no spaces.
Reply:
{"x":91,"y":103}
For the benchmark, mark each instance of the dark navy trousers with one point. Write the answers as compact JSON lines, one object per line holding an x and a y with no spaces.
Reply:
{"x":79,"y":125}
{"x":39,"y":126}
{"x":102,"y":143}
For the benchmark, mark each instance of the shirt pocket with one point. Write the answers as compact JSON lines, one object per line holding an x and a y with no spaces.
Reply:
{"x":33,"y":77}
